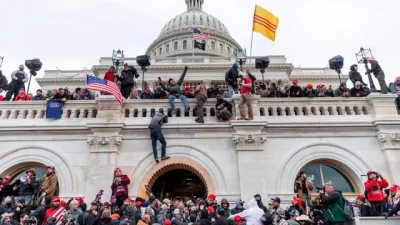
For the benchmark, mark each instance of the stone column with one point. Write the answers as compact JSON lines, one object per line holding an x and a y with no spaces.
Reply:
{"x":104,"y":146}
{"x":386,"y":119}
{"x":249,"y":139}
{"x":390,"y":144}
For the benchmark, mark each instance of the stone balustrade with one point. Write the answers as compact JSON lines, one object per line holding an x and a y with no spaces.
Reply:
{"x":374,"y":221}
{"x":269,"y":109}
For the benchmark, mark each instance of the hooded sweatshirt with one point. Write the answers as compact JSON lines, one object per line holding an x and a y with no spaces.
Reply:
{"x":355,"y":75}
{"x":157,"y":121}
{"x":252,"y":214}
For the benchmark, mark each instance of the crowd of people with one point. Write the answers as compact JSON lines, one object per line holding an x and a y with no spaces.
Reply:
{"x":329,"y":206}
{"x":241,"y":85}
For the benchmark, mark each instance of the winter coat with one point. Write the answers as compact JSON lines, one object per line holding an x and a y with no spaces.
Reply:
{"x":227,"y":211}
{"x":395,"y":88}
{"x":221,"y":104}
{"x":354,"y":91}
{"x":38,"y":98}
{"x":355,"y":76}
{"x":252,"y":214}
{"x":375,"y":68}
{"x":277,"y":214}
{"x":128,"y":76}
{"x":309,"y":93}
{"x":145,"y":95}
{"x":221,"y":220}
{"x":340,"y":91}
{"x":73,"y":215}
{"x":231,"y":77}
{"x":109,"y":76}
{"x":3,"y":82}
{"x":175,"y":90}
{"x":212,"y":93}
{"x":49,"y":184}
{"x":334,"y":207}
{"x":89,"y":218}
{"x":175,"y":221}
{"x":122,"y":188}
{"x":274,"y":93}
{"x":22,"y":96}
{"x":39,"y":213}
{"x":367,"y":210}
{"x":298,"y":188}
{"x":295,"y":91}
{"x":159,"y":94}
{"x":374,"y":189}
{"x":157,"y":121}
{"x":200,"y":92}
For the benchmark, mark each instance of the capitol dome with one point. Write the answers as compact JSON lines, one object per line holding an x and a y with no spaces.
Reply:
{"x":176,"y":37}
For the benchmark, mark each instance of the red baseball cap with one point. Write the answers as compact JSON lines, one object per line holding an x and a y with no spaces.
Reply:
{"x":294,"y":81}
{"x":56,"y":199}
{"x":237,"y":218}
{"x":167,"y":222}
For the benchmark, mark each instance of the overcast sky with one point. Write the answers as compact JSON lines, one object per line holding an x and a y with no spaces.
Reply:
{"x":74,"y":34}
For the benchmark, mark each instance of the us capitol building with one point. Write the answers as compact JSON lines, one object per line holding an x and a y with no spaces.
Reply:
{"x":333,"y":139}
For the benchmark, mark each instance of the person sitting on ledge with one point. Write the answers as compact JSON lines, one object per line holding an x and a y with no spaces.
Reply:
{"x":175,"y":91}
{"x":223,"y":109}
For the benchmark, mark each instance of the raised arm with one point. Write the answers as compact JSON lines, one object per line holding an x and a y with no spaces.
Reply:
{"x":180,"y":81}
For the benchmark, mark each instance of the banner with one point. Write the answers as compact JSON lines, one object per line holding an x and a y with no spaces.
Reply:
{"x":54,"y":109}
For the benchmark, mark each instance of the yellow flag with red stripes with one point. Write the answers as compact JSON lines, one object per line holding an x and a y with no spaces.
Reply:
{"x":265,"y":23}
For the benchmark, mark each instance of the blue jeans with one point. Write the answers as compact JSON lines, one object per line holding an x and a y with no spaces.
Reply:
{"x":181,"y":97}
{"x":231,"y":91}
{"x":157,"y":135}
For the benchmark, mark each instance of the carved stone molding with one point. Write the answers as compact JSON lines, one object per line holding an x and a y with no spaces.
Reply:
{"x":104,"y":144}
{"x":389,"y":140}
{"x":250,"y":141}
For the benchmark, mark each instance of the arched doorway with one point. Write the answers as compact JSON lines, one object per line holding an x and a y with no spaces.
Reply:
{"x":18,"y":174}
{"x":180,"y":184}
{"x":181,"y":168}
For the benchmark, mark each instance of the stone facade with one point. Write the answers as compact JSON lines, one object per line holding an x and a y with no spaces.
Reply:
{"x":234,"y":160}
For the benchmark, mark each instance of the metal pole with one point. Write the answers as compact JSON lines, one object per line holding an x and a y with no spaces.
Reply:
{"x":143,"y":69}
{"x":29,"y":83}
{"x":262,"y":76}
{"x":371,"y":82}
{"x":2,"y":60}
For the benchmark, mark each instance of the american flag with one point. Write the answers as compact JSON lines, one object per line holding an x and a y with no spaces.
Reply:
{"x":98,"y":84}
{"x":197,"y":35}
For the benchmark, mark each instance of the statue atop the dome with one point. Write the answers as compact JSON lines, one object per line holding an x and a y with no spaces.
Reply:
{"x":194,"y":4}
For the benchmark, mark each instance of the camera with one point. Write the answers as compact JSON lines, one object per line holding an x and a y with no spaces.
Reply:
{"x":68,"y":221}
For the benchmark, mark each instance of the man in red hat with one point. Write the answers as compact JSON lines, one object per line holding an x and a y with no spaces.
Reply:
{"x":295,"y":90}
{"x":55,"y":211}
{"x":365,"y":207}
{"x":374,"y":190}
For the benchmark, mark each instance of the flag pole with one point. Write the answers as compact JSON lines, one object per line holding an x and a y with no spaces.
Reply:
{"x":251,"y":45}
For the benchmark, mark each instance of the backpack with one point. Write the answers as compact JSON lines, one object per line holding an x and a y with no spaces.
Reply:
{"x":348,"y":210}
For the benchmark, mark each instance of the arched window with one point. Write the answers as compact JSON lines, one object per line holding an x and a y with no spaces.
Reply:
{"x":176,"y":45}
{"x":184,"y":44}
{"x":160,"y":51}
{"x":213,"y":46}
{"x":201,"y":19}
{"x":221,"y":47}
{"x":187,"y":19}
{"x":320,"y":174}
{"x":228,"y":50}
{"x":194,"y":18}
{"x":40,"y":171}
{"x":167,"y":48}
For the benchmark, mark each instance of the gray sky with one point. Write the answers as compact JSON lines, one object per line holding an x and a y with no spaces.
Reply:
{"x":74,"y":34}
